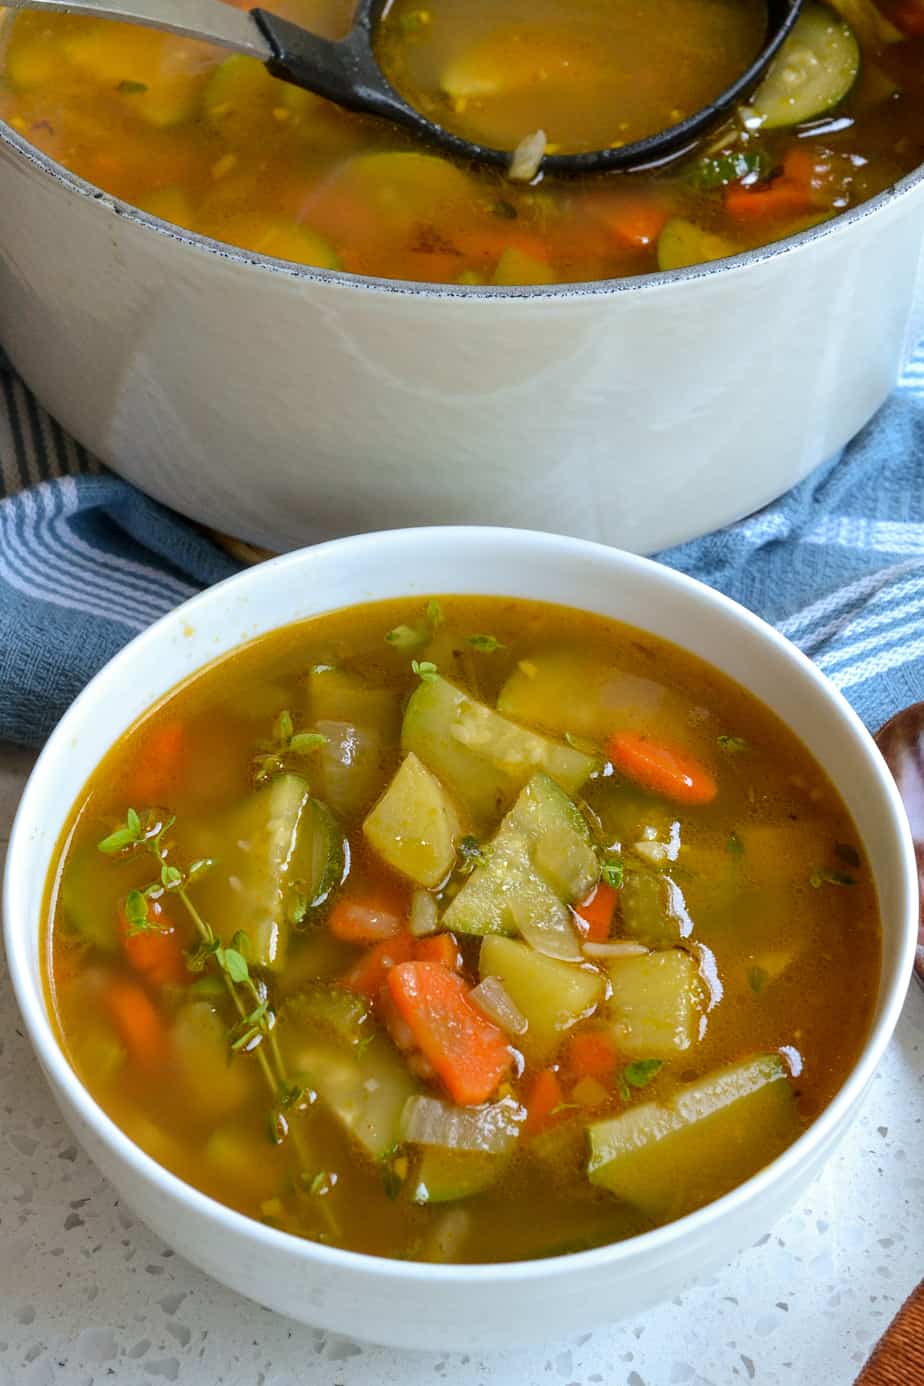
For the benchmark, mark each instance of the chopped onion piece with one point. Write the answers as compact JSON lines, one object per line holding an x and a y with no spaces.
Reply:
{"x":424,"y":914}
{"x":493,"y":1128}
{"x":553,"y":936}
{"x":491,"y":997}
{"x":526,"y":158}
{"x":616,"y":948}
{"x":446,"y":1239}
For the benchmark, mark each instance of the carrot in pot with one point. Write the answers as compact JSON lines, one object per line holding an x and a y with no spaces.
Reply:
{"x":370,"y":913}
{"x":634,"y":220}
{"x":661,"y":769}
{"x":369,"y":974}
{"x":592,"y":1054}
{"x":468,"y":1052}
{"x":545,"y":1096}
{"x":774,"y":200}
{"x":596,"y":912}
{"x":137,"y":1021}
{"x":440,"y":948}
{"x":156,"y":953}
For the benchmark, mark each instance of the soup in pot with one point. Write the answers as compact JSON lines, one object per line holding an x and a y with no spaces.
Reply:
{"x":215,"y":145}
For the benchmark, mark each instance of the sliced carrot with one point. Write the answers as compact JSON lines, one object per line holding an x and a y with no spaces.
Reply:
{"x":467,"y":1051}
{"x":544,"y":1096}
{"x":597,"y":912}
{"x":774,"y":200}
{"x":440,"y":948}
{"x":369,"y":974}
{"x":156,"y":953}
{"x":137,"y":1020}
{"x":591,"y":1054}
{"x":661,"y":769}
{"x":634,"y":220}
{"x":369,"y":913}
{"x":158,"y":763}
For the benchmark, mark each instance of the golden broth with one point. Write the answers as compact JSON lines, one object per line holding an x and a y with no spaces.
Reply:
{"x":601,"y":74}
{"x":217,"y":146}
{"x":783,"y":934}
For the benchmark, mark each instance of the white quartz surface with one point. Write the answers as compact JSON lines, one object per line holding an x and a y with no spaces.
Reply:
{"x":89,"y":1296}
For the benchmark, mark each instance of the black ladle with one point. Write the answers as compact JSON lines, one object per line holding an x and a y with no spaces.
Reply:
{"x":347,"y":72}
{"x":901,"y":741}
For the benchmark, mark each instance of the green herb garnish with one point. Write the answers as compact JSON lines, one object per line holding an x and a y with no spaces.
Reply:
{"x":424,"y":670}
{"x":821,"y":876}
{"x":487,"y":644}
{"x":732,"y":743}
{"x":718,"y":170}
{"x":612,"y":873}
{"x":637,"y":1075}
{"x":131,"y":88}
{"x":407,"y":638}
{"x":734,"y":846}
{"x":285,"y":741}
{"x":757,"y":979}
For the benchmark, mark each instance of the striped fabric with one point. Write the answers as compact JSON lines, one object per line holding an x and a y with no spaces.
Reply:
{"x":87,"y":561}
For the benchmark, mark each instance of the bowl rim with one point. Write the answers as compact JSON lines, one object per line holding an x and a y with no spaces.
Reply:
{"x":839,"y":225}
{"x":194,"y":612}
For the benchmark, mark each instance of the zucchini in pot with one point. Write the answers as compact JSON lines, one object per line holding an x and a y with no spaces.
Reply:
{"x":813,"y":72}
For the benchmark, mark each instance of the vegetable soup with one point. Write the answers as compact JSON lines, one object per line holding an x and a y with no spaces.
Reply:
{"x":472,"y":931}
{"x":213,"y":144}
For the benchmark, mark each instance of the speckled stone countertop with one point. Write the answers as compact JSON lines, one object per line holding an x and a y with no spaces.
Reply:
{"x":89,"y":1296}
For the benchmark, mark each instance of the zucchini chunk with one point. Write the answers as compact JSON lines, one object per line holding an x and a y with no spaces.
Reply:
{"x":415,"y":827}
{"x":279,"y":849}
{"x":551,"y":994}
{"x":670,"y":1157}
{"x":484,"y":759}
{"x":563,"y":690}
{"x":458,"y":1151}
{"x":813,"y":72}
{"x":365,"y":1089}
{"x":655,"y":1006}
{"x":654,"y":911}
{"x":682,"y":243}
{"x":540,"y":859}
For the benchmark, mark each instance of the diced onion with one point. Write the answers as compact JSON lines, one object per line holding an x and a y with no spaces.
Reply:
{"x":616,"y":948}
{"x":493,"y":1128}
{"x":491,"y":997}
{"x":424,"y":914}
{"x":554,"y":936}
{"x":526,"y":158}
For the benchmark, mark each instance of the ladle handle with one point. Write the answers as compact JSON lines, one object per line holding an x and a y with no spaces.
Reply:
{"x":200,"y":19}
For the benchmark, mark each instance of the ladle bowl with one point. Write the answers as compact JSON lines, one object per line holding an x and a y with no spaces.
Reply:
{"x":347,"y":72}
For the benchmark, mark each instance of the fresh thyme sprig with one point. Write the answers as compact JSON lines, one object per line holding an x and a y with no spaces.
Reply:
{"x":285,"y":742}
{"x":254,"y":1031}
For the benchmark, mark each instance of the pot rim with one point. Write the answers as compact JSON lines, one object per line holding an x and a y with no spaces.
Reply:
{"x":598,"y":288}
{"x":357,"y":551}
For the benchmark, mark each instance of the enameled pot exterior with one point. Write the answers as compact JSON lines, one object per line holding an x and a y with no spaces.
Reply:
{"x":282,"y":405}
{"x":398,"y":1302}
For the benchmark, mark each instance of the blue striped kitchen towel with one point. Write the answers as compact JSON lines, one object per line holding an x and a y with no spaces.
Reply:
{"x":87,"y":561}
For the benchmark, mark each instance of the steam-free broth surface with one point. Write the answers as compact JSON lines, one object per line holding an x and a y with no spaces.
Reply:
{"x":215,"y":145}
{"x":471,"y":930}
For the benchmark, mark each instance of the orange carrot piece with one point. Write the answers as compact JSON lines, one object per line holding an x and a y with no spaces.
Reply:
{"x":440,"y":948}
{"x":661,"y":769}
{"x":467,"y":1050}
{"x":155,"y":954}
{"x":544,"y":1096}
{"x":592,"y":1054}
{"x":369,"y":974}
{"x":597,"y":912}
{"x":634,"y":220}
{"x":158,"y":763}
{"x":137,"y":1020}
{"x":369,"y":913}
{"x":771,"y":201}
